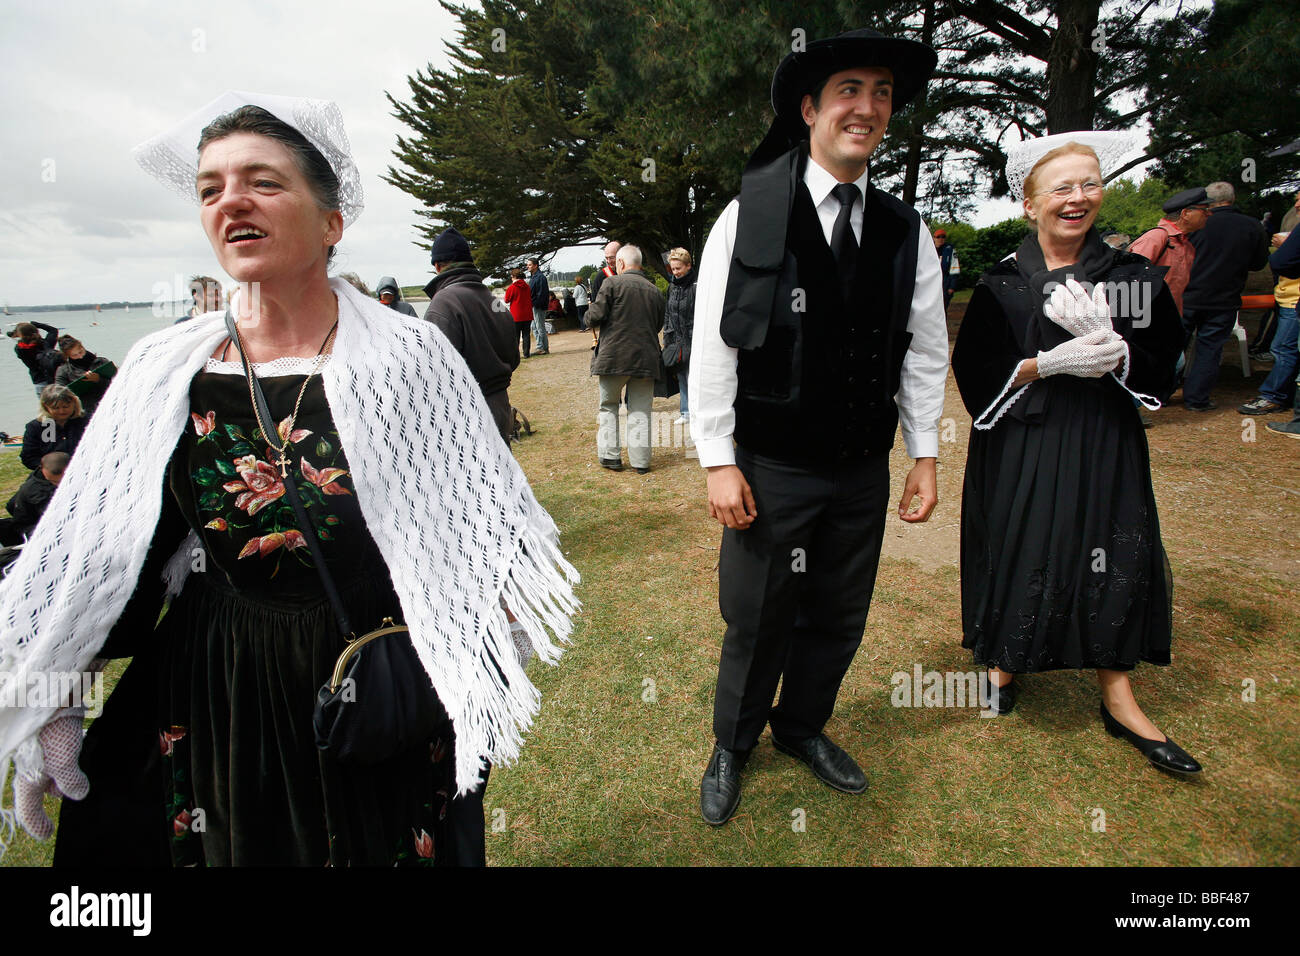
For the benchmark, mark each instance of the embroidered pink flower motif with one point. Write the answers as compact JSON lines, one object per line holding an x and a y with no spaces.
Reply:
{"x":423,"y":844}
{"x":297,"y":435}
{"x":261,"y":485}
{"x":325,"y":478}
{"x":217,"y":524}
{"x":289,"y":540}
{"x":204,"y":425}
{"x":168,"y":737}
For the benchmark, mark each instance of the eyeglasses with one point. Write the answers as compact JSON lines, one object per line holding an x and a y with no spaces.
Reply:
{"x":1066,"y":190}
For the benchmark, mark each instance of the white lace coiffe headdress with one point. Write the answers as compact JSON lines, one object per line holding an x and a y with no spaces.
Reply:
{"x":1113,"y":149}
{"x":172,"y":157}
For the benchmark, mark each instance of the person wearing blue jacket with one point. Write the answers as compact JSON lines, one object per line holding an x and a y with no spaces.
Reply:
{"x":541,"y":295}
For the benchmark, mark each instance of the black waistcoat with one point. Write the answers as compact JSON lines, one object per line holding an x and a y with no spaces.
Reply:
{"x":820,"y":388}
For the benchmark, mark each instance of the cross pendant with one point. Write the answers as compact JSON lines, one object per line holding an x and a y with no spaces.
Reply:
{"x":284,"y":464}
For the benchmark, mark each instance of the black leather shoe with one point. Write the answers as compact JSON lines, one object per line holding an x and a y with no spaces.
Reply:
{"x":643,"y":471}
{"x":829,"y":763}
{"x":613,"y":464}
{"x":1006,"y":696}
{"x":1165,"y":754}
{"x":720,"y":787}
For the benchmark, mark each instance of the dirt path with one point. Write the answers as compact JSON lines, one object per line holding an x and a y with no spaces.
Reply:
{"x":1228,"y":489}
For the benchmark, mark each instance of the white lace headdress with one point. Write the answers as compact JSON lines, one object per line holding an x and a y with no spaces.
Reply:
{"x":1113,"y":149}
{"x":172,"y":157}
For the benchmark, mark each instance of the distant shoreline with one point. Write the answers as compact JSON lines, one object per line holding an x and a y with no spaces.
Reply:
{"x":80,"y":307}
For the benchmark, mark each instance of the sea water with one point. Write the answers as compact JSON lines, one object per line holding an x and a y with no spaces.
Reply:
{"x":109,"y":335}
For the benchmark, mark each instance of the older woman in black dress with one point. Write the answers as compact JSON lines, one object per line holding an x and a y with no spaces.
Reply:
{"x":1062,"y":563}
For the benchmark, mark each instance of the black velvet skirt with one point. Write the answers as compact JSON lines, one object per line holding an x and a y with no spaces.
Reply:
{"x":1061,"y":560}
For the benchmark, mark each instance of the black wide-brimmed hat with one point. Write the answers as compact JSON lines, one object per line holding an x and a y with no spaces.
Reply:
{"x":800,"y":73}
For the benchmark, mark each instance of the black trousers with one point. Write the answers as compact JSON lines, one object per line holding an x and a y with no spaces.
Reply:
{"x":794,"y":589}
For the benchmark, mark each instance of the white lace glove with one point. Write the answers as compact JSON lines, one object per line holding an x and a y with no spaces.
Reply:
{"x":1070,"y":307}
{"x":60,"y":742}
{"x":1090,"y":356}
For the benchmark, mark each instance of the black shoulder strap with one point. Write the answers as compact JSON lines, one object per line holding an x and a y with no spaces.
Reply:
{"x":291,"y":492}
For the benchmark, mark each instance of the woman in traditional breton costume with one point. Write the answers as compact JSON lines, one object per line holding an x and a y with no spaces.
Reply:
{"x":206,"y":751}
{"x":1062,"y":563}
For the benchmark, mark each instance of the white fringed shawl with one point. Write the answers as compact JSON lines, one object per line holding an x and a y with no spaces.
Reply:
{"x":448,"y":506}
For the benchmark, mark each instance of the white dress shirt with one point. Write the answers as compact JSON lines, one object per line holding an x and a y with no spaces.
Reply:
{"x":712,"y":378}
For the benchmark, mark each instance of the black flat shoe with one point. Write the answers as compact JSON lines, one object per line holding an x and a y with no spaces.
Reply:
{"x":1164,"y":754}
{"x":829,"y":763}
{"x":720,"y":787}
{"x":1005,"y":699}
{"x":613,"y":464}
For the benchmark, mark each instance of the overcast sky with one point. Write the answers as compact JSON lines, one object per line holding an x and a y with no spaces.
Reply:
{"x":85,"y":81}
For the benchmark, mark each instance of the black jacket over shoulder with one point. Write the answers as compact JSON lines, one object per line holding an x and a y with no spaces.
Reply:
{"x":1005,"y":324}
{"x":817,"y":374}
{"x":1230,"y":246}
{"x":477,"y":323}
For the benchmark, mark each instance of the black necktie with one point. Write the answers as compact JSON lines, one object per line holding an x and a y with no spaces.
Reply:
{"x":843,"y":244}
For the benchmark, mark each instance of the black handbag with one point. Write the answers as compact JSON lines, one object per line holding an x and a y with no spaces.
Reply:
{"x":378,"y":701}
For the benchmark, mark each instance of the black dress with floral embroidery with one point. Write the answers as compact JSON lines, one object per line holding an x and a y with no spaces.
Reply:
{"x":251,"y":638}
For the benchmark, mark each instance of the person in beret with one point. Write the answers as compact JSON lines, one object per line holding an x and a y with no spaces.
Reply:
{"x":1167,"y":243}
{"x":819,"y":328}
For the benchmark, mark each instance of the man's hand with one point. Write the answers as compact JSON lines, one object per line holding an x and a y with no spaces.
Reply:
{"x":922,"y":481}
{"x":91,"y":376}
{"x":730,"y":500}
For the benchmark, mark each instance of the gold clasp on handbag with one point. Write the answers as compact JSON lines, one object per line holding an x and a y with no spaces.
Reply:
{"x":386,"y":627}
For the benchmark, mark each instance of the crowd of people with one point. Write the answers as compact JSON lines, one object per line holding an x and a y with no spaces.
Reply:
{"x":396,"y":437}
{"x":70,"y":382}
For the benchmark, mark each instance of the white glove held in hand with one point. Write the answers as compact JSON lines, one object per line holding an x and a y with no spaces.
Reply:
{"x":1070,"y":307}
{"x":60,"y":741}
{"x":1090,"y":356}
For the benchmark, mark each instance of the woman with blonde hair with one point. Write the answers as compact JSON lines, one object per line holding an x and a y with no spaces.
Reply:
{"x":1061,"y":558}
{"x":58,"y":427}
{"x":679,"y":324}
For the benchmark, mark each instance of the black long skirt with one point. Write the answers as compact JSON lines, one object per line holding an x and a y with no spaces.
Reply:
{"x":1061,"y":560}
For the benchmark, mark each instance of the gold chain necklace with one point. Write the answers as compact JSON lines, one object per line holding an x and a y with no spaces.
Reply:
{"x":282,"y":450}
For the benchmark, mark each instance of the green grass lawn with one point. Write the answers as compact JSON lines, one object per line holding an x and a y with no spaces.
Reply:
{"x":611,"y":769}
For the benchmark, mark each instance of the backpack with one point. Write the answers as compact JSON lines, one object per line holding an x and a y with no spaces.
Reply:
{"x":1169,"y":244}
{"x":48,"y":362}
